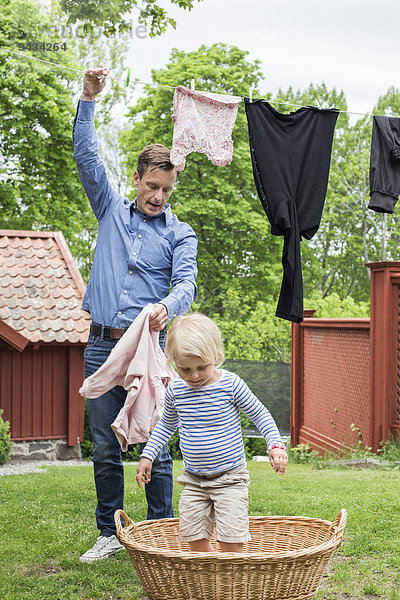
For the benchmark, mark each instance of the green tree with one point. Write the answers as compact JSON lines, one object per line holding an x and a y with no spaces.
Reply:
{"x":236,"y":250}
{"x":111,"y":13}
{"x":332,"y":306}
{"x":240,"y":268}
{"x":39,"y":186}
{"x":250,"y":330}
{"x":39,"y":183}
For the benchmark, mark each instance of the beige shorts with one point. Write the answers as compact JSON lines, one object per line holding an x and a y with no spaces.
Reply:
{"x":222,"y":499}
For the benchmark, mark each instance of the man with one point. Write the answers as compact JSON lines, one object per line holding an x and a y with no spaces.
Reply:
{"x":143,"y":254}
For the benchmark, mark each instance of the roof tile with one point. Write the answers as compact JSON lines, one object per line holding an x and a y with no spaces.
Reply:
{"x":39,"y":296}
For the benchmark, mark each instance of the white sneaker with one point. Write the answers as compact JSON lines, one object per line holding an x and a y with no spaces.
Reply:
{"x":104,"y":547}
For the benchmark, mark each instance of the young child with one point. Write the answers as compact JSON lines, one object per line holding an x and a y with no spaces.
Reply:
{"x":204,"y":402}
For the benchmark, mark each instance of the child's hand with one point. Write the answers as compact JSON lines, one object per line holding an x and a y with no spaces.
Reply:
{"x":143,"y":472}
{"x":278,"y":459}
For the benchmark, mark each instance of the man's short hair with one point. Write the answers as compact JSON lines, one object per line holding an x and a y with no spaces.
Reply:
{"x":154,"y":156}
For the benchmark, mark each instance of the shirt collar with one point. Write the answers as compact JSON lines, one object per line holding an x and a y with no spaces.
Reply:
{"x":166,"y":213}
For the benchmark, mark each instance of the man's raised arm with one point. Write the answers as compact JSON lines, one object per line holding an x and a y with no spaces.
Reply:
{"x":91,"y":169}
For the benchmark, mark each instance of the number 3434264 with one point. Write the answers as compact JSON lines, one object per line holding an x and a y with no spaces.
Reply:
{"x":42,"y":46}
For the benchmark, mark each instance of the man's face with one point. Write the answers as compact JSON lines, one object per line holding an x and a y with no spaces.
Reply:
{"x":153,"y":190}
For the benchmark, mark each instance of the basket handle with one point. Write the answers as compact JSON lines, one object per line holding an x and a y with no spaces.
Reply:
{"x":338,"y":525}
{"x":118,"y":515}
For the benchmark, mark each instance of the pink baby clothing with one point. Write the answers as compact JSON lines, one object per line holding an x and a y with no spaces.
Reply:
{"x":138,"y":364}
{"x":203,"y":122}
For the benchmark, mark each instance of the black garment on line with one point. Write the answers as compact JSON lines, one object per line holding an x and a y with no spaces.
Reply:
{"x":384,"y":169}
{"x":291,"y":154}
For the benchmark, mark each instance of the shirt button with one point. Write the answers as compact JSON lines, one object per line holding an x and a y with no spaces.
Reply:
{"x":130,"y":272}
{"x":144,"y":221}
{"x":125,"y":292}
{"x":139,"y":236}
{"x":120,"y":312}
{"x":134,"y":253}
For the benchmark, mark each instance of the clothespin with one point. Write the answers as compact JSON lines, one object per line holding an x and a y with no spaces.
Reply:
{"x":128,"y":77}
{"x":251,"y":93}
{"x":101,"y":76}
{"x":192,"y":84}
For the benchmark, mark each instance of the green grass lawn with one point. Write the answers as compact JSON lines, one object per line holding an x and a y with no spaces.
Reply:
{"x":47,"y":521}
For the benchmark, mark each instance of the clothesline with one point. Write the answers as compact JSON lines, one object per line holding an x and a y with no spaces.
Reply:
{"x":170,"y":86}
{"x":80,"y":70}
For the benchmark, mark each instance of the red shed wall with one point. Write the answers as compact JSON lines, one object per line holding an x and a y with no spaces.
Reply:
{"x":38,"y":394}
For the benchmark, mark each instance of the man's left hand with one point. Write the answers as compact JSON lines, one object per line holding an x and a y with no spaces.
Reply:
{"x":158,"y":318}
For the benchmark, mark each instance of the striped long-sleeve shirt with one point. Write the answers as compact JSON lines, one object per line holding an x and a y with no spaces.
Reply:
{"x":208,"y":419}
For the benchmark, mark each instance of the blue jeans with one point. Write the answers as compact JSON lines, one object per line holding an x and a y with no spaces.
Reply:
{"x":108,"y":468}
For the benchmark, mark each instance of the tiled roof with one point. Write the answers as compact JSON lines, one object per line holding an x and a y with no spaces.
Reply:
{"x":41,"y":288}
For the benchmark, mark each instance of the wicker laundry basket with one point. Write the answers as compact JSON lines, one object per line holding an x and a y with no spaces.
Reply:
{"x":285,"y":559}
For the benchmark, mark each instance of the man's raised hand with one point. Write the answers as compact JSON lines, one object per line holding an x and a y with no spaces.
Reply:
{"x":94,"y":81}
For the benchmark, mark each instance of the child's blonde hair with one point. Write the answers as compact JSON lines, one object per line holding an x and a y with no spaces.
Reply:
{"x":196,"y":335}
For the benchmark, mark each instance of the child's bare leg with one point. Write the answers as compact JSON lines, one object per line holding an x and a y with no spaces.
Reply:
{"x":202,"y":545}
{"x":231,"y":547}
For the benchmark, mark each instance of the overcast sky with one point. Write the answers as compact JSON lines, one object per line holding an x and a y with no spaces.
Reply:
{"x":352,"y":45}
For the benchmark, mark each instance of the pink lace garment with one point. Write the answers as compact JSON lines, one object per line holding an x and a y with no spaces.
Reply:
{"x":203,"y":122}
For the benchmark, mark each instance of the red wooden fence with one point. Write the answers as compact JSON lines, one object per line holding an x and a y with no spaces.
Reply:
{"x":347,"y":371}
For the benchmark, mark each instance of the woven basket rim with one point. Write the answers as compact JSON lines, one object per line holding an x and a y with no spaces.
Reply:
{"x":124,"y":535}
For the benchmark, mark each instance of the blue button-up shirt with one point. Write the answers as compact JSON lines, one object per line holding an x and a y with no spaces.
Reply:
{"x":138,"y":258}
